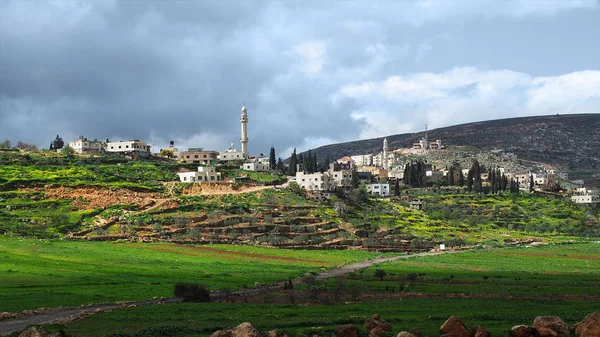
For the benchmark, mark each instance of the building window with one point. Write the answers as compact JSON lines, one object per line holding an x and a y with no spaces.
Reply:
{"x":212,"y":177}
{"x":119,"y":146}
{"x":188,"y":156}
{"x":195,"y":156}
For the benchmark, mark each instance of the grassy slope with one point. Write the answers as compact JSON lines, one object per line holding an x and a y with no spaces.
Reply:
{"x":564,"y":269}
{"x":518,"y":272}
{"x":42,"y":273}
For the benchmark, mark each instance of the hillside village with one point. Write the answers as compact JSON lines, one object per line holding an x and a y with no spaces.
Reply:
{"x":382,"y":174}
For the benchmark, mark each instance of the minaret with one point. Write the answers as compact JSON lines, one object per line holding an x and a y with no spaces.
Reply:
{"x":244,"y":140}
{"x":384,"y":160}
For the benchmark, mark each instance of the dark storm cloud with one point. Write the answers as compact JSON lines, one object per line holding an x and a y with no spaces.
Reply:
{"x":162,"y":70}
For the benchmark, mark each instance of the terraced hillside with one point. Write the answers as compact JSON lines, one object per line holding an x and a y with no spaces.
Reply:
{"x":138,"y":201}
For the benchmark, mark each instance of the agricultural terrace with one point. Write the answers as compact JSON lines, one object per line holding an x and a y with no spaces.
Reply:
{"x":496,"y":288}
{"x":46,"y":273}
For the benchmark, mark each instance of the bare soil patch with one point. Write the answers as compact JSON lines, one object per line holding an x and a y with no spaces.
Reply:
{"x":226,"y":254}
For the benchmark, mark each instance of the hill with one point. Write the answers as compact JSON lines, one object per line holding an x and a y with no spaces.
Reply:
{"x":569,"y":142}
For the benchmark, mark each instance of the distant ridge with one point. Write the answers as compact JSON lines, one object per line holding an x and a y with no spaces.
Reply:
{"x":570,"y":142}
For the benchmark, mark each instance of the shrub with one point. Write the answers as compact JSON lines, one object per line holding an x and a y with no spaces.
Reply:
{"x":191,"y":292}
{"x":411,"y":277}
{"x":380,"y":273}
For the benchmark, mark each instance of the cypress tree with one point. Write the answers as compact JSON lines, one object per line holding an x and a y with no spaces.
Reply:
{"x":461,"y":177}
{"x":325,"y":166}
{"x":451,"y":176}
{"x":301,"y":161}
{"x":293,"y":163}
{"x":470,"y":180}
{"x":315,"y":163}
{"x":531,"y":183}
{"x":477,"y":177}
{"x":272,"y":158}
{"x":308,"y":165}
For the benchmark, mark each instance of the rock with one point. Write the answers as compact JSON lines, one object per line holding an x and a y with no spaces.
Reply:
{"x":377,"y":326}
{"x":346,"y":330}
{"x":7,"y":315}
{"x":523,"y":331}
{"x":273,"y":333}
{"x":454,"y":326}
{"x":221,"y":333}
{"x":481,"y":332}
{"x":38,"y":331}
{"x":550,"y":326}
{"x":589,"y":327}
{"x":405,"y":334}
{"x":245,"y":330}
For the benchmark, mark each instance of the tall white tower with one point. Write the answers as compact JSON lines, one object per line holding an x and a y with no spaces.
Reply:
{"x":384,"y":160}
{"x":244,"y":139}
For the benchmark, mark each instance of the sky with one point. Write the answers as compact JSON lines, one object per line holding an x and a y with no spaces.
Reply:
{"x":311,"y":73}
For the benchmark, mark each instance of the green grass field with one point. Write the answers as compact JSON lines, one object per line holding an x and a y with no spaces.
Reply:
{"x":202,"y":319}
{"x":523,"y":283}
{"x":537,"y":272}
{"x":46,"y":273}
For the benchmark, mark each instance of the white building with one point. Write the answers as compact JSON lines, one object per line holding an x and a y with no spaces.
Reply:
{"x":326,"y":181}
{"x":255,"y":166}
{"x":83,"y":145}
{"x":204,"y":174}
{"x":585,"y":196}
{"x":342,"y":178}
{"x":363,"y":160}
{"x":315,"y":181}
{"x":128,"y":146}
{"x":196,"y":156}
{"x":232,"y":154}
{"x":379,"y":189}
{"x":379,"y":162}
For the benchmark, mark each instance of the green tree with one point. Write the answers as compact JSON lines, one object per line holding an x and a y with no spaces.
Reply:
{"x":477,"y":184}
{"x":461,"y":178}
{"x":325,"y":166}
{"x":5,"y":144}
{"x":531,"y":183}
{"x":57,"y":143}
{"x":272,"y":159}
{"x":470,"y":180}
{"x":380,"y":273}
{"x":451,"y":176}
{"x":355,"y":181}
{"x":280,"y":166}
{"x":68,"y":151}
{"x":308,"y":162}
{"x":293,"y":164}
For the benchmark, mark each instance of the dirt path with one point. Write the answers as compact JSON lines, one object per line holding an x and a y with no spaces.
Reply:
{"x":9,"y":326}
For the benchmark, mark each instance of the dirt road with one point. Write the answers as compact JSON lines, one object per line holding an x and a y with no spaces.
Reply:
{"x":18,"y":324}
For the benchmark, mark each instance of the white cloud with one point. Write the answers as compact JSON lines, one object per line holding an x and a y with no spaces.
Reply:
{"x":398,"y":103}
{"x":312,"y":56}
